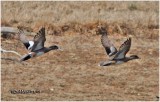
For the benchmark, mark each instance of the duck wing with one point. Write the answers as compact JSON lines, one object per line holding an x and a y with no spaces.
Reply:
{"x":39,"y":40}
{"x":28,"y":44}
{"x":124,"y":48}
{"x":25,"y":57}
{"x":107,"y":44}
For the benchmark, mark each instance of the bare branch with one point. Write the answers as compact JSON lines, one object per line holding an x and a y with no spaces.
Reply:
{"x":9,"y":51}
{"x":9,"y":30}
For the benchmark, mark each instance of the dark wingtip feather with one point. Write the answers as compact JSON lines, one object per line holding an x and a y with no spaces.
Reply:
{"x":102,"y":31}
{"x":129,"y":38}
{"x":127,"y":42}
{"x":42,"y":29}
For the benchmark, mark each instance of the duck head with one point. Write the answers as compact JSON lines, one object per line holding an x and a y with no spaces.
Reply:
{"x":134,"y":57}
{"x":54,"y":47}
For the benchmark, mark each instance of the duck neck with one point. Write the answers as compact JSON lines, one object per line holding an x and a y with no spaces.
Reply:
{"x":47,"y":49}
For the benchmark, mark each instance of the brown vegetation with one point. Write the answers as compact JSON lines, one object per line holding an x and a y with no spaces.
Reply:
{"x":74,"y":74}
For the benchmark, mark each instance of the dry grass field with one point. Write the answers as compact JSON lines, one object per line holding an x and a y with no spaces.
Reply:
{"x":73,"y":74}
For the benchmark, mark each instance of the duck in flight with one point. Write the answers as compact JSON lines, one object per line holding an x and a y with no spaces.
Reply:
{"x":35,"y":47}
{"x":116,"y":56}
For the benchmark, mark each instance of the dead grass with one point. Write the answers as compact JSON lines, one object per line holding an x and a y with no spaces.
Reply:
{"x":74,"y":74}
{"x":59,"y":13}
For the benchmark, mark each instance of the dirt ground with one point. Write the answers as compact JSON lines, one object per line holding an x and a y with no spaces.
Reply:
{"x":73,"y":74}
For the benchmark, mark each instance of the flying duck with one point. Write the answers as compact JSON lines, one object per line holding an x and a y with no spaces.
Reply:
{"x":116,"y":56}
{"x":35,"y":47}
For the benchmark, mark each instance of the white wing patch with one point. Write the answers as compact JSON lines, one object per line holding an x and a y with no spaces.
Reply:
{"x":31,"y":43}
{"x":113,"y":50}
